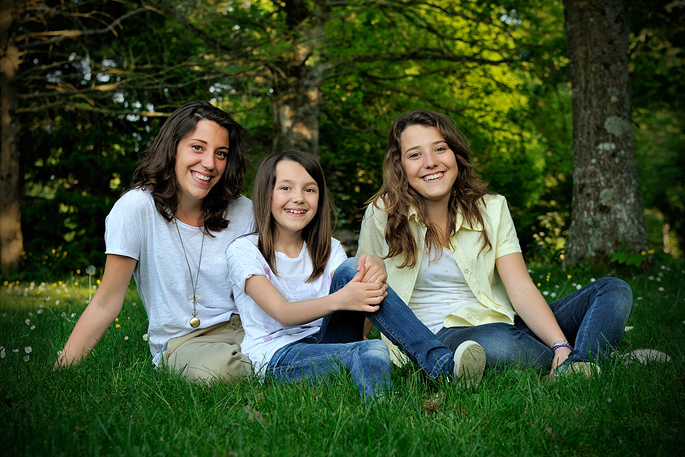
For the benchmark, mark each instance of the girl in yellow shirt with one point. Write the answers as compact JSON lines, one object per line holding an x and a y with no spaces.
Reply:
{"x":452,"y":255}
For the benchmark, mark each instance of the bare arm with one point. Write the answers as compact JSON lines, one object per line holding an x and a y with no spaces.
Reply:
{"x":355,"y":296}
{"x":100,"y":312}
{"x":530,"y":304}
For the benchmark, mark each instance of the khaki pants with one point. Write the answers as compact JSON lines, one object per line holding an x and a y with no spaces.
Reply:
{"x":211,"y":353}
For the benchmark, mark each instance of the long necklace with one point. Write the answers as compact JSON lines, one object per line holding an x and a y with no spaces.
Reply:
{"x":194,"y":321}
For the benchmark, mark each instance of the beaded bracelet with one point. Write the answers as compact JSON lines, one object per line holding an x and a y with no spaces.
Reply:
{"x":559,"y":342}
{"x":560,"y":346}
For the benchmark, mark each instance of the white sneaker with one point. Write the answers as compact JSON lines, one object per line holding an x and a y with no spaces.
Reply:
{"x":469,"y":363}
{"x":644,"y":356}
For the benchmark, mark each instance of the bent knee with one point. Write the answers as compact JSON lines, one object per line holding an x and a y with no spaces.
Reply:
{"x":377,"y":350}
{"x":348,"y":268}
{"x":620,"y":290}
{"x":615,"y":283}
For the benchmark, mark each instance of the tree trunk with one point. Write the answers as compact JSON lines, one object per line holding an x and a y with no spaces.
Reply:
{"x":297,"y":109}
{"x":607,"y":209}
{"x":11,"y":239}
{"x":297,"y":80}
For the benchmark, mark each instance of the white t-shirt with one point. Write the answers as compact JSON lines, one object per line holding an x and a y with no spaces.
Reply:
{"x":440,"y":290}
{"x":134,"y":228}
{"x":263,"y":334}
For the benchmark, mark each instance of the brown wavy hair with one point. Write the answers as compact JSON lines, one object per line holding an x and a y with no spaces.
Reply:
{"x":398,"y":196}
{"x":317,"y":234}
{"x":156,"y":171}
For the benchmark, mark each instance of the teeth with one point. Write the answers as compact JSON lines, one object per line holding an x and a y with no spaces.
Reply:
{"x":202,"y":177}
{"x":433,"y":177}
{"x":294,"y":211}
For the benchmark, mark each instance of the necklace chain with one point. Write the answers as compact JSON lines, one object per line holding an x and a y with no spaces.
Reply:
{"x":194,"y":321}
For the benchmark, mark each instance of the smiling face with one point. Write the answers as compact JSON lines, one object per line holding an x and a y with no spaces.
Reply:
{"x":200,"y":162}
{"x":295,"y":198}
{"x":429,"y":164}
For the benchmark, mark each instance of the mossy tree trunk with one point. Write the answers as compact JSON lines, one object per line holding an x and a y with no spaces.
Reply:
{"x":297,"y":77}
{"x":11,"y":240}
{"x":607,"y":209}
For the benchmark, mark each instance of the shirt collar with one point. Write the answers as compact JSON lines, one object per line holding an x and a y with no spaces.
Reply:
{"x":414,"y":214}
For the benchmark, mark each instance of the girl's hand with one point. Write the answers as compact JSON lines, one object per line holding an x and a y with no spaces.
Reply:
{"x":560,"y":355}
{"x":361,"y":296}
{"x":374,"y":269}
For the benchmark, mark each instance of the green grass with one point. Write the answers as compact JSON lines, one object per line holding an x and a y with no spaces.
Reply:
{"x":116,"y":403}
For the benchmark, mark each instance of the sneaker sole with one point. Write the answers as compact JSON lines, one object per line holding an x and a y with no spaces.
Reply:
{"x":469,"y":363}
{"x":645,"y":356}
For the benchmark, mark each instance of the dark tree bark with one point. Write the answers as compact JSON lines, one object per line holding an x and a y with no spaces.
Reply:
{"x":297,"y":110}
{"x":607,"y":209}
{"x":11,"y":240}
{"x":297,"y":81}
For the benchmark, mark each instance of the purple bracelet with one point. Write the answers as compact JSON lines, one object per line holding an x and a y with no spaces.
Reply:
{"x":561,"y":346}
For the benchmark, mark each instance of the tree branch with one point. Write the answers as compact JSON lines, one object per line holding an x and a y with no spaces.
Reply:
{"x":72,"y":34}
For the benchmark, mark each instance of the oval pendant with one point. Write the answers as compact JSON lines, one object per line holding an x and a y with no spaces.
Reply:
{"x":194,"y":322}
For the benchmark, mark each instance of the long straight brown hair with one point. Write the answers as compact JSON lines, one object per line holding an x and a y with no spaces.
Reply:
{"x":398,"y":196}
{"x":156,"y":171}
{"x":317,"y":234}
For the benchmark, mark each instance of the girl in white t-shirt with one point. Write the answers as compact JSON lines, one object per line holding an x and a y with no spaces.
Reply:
{"x":303,"y":305}
{"x":170,"y":232}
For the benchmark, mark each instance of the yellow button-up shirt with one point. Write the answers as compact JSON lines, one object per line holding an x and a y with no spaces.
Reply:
{"x":478,"y":268}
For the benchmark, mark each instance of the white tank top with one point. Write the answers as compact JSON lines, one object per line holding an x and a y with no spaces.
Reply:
{"x":440,"y":289}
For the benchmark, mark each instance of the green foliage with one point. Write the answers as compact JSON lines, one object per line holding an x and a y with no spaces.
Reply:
{"x":657,"y":75}
{"x":499,"y":69}
{"x":117,"y":403}
{"x":625,"y":256}
{"x":89,"y":107}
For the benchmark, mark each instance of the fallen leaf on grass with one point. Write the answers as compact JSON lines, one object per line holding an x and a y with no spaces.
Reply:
{"x":253,"y":414}
{"x":549,"y":430}
{"x":433,"y":405}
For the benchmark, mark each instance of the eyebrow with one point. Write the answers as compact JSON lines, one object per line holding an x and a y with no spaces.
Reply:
{"x":418,"y":146}
{"x":290,"y":181}
{"x":200,"y":140}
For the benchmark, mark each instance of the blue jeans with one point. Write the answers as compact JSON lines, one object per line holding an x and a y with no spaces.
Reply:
{"x":592,"y":318}
{"x":368,"y":360}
